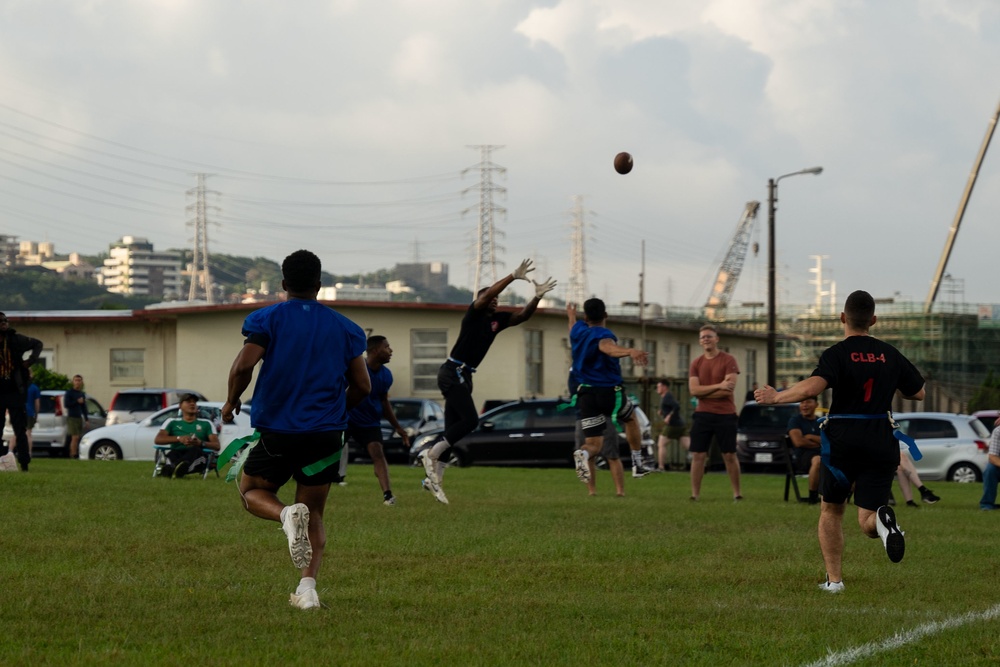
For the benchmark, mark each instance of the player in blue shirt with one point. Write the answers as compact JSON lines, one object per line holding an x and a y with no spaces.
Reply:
{"x":364,"y":422}
{"x":311,"y":373}
{"x":600,"y":395}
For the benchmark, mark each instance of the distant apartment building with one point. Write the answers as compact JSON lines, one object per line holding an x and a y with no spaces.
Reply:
{"x":8,"y":251}
{"x":134,"y":268}
{"x":342,"y":292}
{"x":43,"y":254}
{"x":426,"y":276}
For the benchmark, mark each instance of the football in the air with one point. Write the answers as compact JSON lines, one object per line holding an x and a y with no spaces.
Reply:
{"x":623,"y":163}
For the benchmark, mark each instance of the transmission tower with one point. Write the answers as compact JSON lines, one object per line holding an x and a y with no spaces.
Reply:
{"x":486,"y":247}
{"x":201,"y":274}
{"x":577,"y":291}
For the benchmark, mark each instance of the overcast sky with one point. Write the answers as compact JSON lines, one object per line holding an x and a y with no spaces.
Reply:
{"x":345,"y":127}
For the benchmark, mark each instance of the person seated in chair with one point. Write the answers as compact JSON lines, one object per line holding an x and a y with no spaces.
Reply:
{"x":803,"y":431}
{"x":187,"y":436}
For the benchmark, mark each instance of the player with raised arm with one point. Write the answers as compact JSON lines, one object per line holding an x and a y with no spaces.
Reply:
{"x":859,"y":448}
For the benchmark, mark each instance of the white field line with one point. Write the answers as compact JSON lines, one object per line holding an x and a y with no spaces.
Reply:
{"x":850,"y":655}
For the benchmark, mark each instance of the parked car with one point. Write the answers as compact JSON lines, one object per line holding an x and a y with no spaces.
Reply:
{"x":132,"y":405}
{"x":760,"y":434}
{"x":416,"y":416}
{"x":988,"y":417}
{"x":954,"y":447}
{"x":49,"y":434}
{"x":134,"y":441}
{"x":528,"y":432}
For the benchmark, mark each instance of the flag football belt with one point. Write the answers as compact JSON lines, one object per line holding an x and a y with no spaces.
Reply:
{"x":824,"y":450}
{"x":252,"y":441}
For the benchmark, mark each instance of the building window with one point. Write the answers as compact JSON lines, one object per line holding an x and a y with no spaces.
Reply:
{"x":428,"y":350}
{"x":750,"y":370}
{"x":683,"y":359}
{"x":626,"y":362}
{"x":533,"y":362}
{"x":127,"y":364}
{"x":650,"y":368}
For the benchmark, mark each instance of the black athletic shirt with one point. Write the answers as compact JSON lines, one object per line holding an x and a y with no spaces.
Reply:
{"x":864,"y":373}
{"x":479,"y":328}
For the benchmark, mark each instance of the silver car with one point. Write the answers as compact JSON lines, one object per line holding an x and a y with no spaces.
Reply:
{"x":954,"y":447}
{"x":49,"y":434}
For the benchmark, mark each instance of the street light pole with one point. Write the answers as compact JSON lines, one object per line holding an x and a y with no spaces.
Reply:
{"x":772,"y":309}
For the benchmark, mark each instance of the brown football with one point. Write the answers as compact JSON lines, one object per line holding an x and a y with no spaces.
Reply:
{"x":623,"y":163}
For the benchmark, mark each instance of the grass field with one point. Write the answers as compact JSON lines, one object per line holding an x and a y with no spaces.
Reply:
{"x":102,"y":565}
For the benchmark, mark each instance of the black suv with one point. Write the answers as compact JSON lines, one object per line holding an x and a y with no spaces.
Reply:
{"x":528,"y":432}
{"x":760,"y":435}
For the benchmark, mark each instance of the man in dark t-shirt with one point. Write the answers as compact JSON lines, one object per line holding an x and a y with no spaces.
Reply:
{"x":803,"y":431}
{"x":859,"y":449}
{"x":480,"y":327}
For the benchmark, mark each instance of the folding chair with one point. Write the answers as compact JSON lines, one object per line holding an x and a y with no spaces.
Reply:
{"x":790,"y":477}
{"x":160,"y":460}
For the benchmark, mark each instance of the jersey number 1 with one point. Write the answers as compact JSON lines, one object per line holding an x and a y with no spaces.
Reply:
{"x":869,"y":383}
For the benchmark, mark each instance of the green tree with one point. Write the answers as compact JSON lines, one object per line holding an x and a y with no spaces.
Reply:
{"x":46,"y":379}
{"x":987,"y":395}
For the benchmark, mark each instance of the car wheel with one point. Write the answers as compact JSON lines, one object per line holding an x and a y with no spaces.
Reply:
{"x":965,"y":473}
{"x":105,"y":450}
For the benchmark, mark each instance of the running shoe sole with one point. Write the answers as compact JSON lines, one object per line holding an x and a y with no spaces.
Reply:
{"x":894,"y":543}
{"x":296,"y":527}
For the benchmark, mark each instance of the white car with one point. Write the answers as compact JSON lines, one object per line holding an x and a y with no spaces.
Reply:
{"x":954,"y":447}
{"x":134,"y":441}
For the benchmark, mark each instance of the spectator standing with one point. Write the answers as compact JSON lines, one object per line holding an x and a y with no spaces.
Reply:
{"x":673,"y":425}
{"x":991,"y":476}
{"x":75,"y":403}
{"x":712,"y":380}
{"x":312,"y":371}
{"x":31,"y":407}
{"x":14,"y":383}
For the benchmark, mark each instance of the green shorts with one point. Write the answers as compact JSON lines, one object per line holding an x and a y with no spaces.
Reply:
{"x":30,"y":423}
{"x":74,"y":425}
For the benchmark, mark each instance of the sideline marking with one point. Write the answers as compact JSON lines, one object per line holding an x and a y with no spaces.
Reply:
{"x":848,"y":656}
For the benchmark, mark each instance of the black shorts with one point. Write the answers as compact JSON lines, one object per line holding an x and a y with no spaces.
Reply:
{"x":706,"y":424}
{"x":363,"y":435}
{"x":281,"y":456}
{"x":597,"y":404}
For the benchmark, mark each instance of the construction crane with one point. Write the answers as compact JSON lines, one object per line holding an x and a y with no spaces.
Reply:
{"x":732,"y":265}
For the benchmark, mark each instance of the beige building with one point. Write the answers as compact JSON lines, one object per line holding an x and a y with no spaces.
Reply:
{"x":194,"y":346}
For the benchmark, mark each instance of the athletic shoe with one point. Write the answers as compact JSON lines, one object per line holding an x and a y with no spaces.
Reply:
{"x":439,"y":494}
{"x":390,"y":501}
{"x":928,"y":497}
{"x":832,"y":586}
{"x":425,"y":484}
{"x":308,"y":600}
{"x":737,"y":499}
{"x":296,"y":527}
{"x":640,"y":471}
{"x":180,"y":470}
{"x":582,"y":470}
{"x":429,"y":466}
{"x":910,"y":503}
{"x":892,"y":536}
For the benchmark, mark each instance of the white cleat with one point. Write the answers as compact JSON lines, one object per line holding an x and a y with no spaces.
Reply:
{"x":890,"y":532}
{"x":308,"y":600}
{"x":296,"y":527}
{"x":430,"y":469}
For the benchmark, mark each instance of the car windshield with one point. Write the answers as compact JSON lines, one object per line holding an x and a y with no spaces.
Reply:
{"x":767,"y":416}
{"x":138,"y":402}
{"x":407,"y":410}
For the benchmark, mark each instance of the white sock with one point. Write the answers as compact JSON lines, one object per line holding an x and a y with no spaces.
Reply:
{"x":637,"y":459}
{"x":586,"y":455}
{"x":439,"y":469}
{"x":282,"y":515}
{"x":305,"y":584}
{"x":439,"y":448}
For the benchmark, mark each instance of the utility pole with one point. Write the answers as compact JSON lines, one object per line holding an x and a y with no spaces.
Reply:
{"x":201,"y":274}
{"x":576,"y":291}
{"x":486,"y":247}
